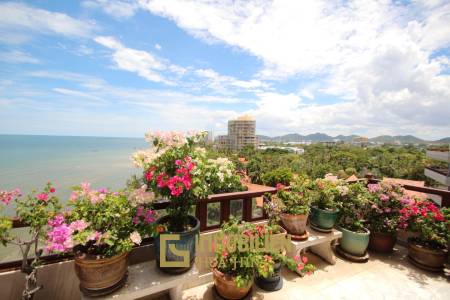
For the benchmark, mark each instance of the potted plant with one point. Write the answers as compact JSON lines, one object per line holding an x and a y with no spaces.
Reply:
{"x":293,"y":206}
{"x":383,"y":214}
{"x":269,"y":262}
{"x":34,"y":211}
{"x":236,"y":262}
{"x":100,"y":229}
{"x":355,"y":237}
{"x":177,"y":169}
{"x":428,"y":249}
{"x":325,"y":204}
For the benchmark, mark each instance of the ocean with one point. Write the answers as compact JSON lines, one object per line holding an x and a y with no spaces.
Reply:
{"x":28,"y":162}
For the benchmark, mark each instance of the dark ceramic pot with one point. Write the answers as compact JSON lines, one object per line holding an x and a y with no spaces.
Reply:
{"x":382,"y":242}
{"x":323,"y":219}
{"x":185,"y":244}
{"x":273,"y":282}
{"x":101,"y":276}
{"x":226,"y":286}
{"x":427,"y":258}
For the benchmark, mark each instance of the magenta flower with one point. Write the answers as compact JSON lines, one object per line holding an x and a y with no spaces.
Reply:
{"x":384,"y":197}
{"x":56,"y":221}
{"x":42,"y":197}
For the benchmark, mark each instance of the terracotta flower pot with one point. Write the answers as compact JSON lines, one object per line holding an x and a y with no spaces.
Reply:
{"x":427,"y":258}
{"x":294,"y":224}
{"x":226,"y":287}
{"x":382,"y":242}
{"x":186,"y":242}
{"x":101,"y":276}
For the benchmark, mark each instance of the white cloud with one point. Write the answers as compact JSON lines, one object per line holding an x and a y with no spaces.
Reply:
{"x":18,"y":57}
{"x":21,"y":20}
{"x":141,"y":62}
{"x":158,"y":46}
{"x":376,"y":57}
{"x":119,"y":9}
{"x":75,"y":93}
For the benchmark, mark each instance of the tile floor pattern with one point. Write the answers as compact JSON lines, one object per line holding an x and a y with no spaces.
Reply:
{"x":383,"y":277}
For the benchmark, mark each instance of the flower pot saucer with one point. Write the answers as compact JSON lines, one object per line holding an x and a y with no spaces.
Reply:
{"x":269,"y":286}
{"x":216,"y":295}
{"x":300,"y":238}
{"x":425,"y":267}
{"x":316,"y":228}
{"x":351,"y":257}
{"x":104,"y":292}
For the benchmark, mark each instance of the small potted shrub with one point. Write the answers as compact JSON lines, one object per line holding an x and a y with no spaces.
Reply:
{"x":355,"y":237}
{"x":177,"y":169}
{"x":293,"y":206}
{"x":100,"y":229}
{"x":325,"y":204}
{"x":236,"y":263}
{"x":270,"y":261}
{"x":35,"y":211}
{"x":428,"y":248}
{"x":383,"y":214}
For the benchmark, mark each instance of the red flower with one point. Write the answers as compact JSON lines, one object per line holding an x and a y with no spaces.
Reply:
{"x":149,"y":176}
{"x":280,"y":187}
{"x":52,"y":190}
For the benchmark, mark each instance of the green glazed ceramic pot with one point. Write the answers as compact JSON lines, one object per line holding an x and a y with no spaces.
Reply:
{"x":354,"y":243}
{"x":323,"y":219}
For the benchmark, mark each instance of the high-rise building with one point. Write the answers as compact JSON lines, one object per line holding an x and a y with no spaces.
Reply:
{"x":242,"y":132}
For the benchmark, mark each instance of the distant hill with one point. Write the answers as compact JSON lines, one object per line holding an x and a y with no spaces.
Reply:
{"x":403,"y":139}
{"x":443,"y":141}
{"x":322,"y":137}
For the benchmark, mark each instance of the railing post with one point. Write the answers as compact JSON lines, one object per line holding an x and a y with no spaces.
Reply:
{"x":247,"y":209}
{"x":201,"y":213}
{"x":224,"y":211}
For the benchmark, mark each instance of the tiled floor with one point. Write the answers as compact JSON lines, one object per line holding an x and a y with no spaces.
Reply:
{"x":383,"y":277}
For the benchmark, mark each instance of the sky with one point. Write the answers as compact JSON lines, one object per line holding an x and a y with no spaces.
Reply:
{"x":123,"y":67}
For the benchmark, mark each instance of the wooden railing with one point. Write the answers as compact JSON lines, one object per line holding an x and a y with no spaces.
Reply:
{"x":247,"y":198}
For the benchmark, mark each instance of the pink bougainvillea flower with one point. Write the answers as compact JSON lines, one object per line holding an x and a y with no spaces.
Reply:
{"x":7,"y":196}
{"x":95,"y":236}
{"x":304,"y":259}
{"x":78,"y":225}
{"x":42,"y":197}
{"x":56,"y":221}
{"x":300,"y":267}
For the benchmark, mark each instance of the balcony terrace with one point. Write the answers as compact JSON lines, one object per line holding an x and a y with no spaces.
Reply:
{"x":382,"y":277}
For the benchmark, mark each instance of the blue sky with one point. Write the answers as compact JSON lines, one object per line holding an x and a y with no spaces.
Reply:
{"x":120,"y":68}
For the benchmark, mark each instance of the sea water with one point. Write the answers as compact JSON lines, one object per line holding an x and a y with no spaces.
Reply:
{"x":29,"y":162}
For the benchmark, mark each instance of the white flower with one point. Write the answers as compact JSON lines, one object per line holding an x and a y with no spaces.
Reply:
{"x":135,"y":237}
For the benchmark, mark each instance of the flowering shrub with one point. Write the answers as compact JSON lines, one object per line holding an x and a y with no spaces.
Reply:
{"x":325,"y":194}
{"x":353,"y":201}
{"x":294,"y":201}
{"x":385,"y":201}
{"x":241,"y":264}
{"x":176,"y":169}
{"x":99,"y":223}
{"x":428,"y":221}
{"x":35,"y":211}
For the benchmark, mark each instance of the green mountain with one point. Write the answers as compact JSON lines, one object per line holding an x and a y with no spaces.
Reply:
{"x":403,"y":139}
